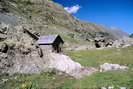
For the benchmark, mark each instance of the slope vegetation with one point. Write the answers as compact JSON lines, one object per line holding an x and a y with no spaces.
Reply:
{"x":47,"y":17}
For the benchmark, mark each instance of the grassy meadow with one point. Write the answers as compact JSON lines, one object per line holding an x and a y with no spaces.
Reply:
{"x":123,"y":56}
{"x":93,"y":58}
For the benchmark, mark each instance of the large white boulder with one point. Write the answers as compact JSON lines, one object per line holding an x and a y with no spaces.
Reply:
{"x":66,"y":64}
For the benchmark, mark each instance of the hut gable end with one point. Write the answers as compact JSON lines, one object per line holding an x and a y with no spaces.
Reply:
{"x":58,"y":40}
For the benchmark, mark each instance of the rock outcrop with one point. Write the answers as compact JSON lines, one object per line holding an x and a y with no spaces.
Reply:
{"x":65,"y":64}
{"x":123,"y":42}
{"x":101,"y":42}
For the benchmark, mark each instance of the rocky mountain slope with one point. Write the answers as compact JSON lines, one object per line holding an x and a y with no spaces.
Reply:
{"x":45,"y":17}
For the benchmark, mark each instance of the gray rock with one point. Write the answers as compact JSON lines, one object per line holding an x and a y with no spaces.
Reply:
{"x":103,"y":88}
{"x":123,"y":42}
{"x":108,"y":67}
{"x":3,"y":47}
{"x":123,"y":88}
{"x":103,"y":42}
{"x":110,"y":87}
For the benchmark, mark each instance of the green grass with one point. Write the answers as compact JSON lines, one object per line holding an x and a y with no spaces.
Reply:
{"x":113,"y":78}
{"x":50,"y":81}
{"x":87,"y":58}
{"x":38,"y":81}
{"x":97,"y":57}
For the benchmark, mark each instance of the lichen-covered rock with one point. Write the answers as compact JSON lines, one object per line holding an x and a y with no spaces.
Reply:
{"x":3,"y":47}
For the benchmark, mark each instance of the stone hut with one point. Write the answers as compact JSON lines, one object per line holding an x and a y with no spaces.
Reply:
{"x":51,"y":43}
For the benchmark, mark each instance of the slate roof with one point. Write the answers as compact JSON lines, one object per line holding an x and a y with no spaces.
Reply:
{"x":47,"y":39}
